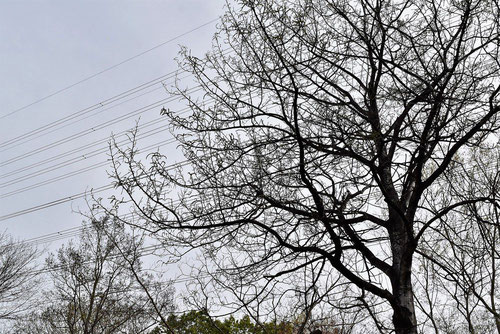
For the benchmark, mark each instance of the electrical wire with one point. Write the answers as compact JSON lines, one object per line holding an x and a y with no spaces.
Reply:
{"x":49,"y":128}
{"x":81,"y":149}
{"x":73,"y":173}
{"x":87,"y":155}
{"x":18,"y":139}
{"x":84,"y":157}
{"x":77,"y":159}
{"x":93,"y":129}
{"x":107,"y":69}
{"x":72,"y":197}
{"x":78,"y":230}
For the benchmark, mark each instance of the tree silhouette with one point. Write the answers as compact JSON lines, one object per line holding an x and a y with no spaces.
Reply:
{"x":324,"y":140}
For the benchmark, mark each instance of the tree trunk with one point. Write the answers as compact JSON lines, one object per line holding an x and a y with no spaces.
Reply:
{"x":403,"y":319}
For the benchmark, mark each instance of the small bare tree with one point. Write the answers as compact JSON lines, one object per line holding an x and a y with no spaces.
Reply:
{"x":95,"y":289}
{"x":463,"y":262}
{"x":18,"y":278}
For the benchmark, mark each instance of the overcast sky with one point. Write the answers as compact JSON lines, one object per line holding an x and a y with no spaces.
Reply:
{"x":49,"y":45}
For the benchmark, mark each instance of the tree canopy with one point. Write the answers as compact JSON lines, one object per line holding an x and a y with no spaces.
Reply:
{"x":18,"y":277}
{"x":328,"y":140}
{"x":98,"y":285}
{"x":198,"y":322}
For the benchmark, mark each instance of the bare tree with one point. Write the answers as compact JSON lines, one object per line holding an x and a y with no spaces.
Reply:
{"x":95,"y":290}
{"x":17,"y":277}
{"x":464,"y":259}
{"x":325,"y":137}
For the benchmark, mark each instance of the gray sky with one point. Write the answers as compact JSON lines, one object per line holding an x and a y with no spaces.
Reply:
{"x":49,"y":45}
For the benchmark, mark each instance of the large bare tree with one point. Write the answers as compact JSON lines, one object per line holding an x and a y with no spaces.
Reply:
{"x":323,"y":139}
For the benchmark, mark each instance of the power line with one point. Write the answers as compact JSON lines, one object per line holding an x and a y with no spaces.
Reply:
{"x":107,"y":69}
{"x":66,"y":199}
{"x":72,"y":197}
{"x":122,"y":217}
{"x":74,"y":173}
{"x":87,"y":155}
{"x":55,"y":202}
{"x":64,"y":124}
{"x":43,"y":130}
{"x":147,"y":250}
{"x":74,"y":231}
{"x":17,"y":140}
{"x":83,"y":132}
{"x":84,"y":157}
{"x":79,"y":158}
{"x":93,"y":129}
{"x":82,"y":149}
